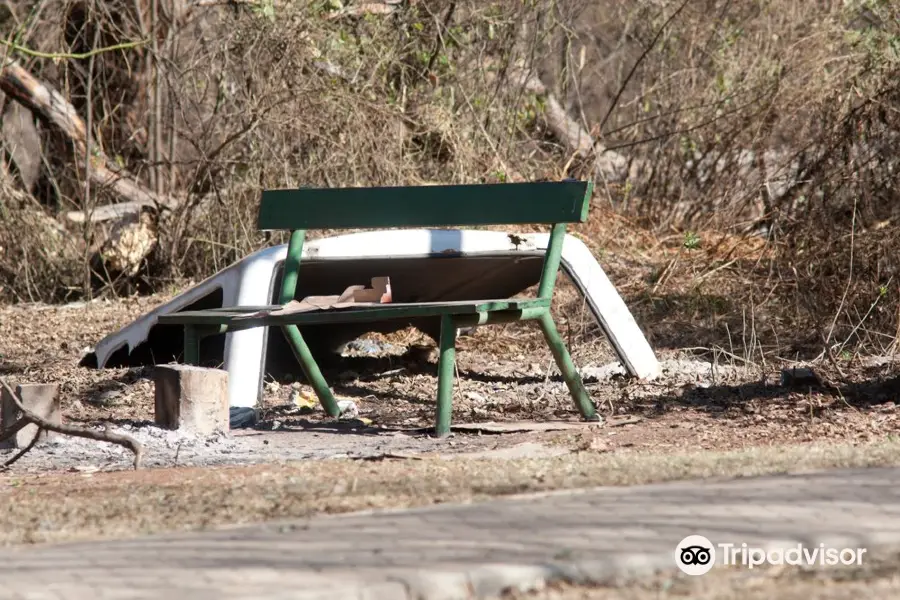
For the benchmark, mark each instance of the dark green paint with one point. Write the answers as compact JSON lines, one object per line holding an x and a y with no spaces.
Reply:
{"x":567,"y":368}
{"x":291,"y":270}
{"x":446,"y":372}
{"x":311,"y":370}
{"x":551,"y":262}
{"x":425,"y":206}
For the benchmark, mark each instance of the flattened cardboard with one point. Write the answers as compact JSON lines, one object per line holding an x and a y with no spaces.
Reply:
{"x":355,"y":295}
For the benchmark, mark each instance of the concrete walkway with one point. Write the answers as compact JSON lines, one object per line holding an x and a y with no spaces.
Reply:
{"x":454,"y":551}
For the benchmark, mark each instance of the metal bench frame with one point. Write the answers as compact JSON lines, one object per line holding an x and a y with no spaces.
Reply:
{"x":554,"y":203}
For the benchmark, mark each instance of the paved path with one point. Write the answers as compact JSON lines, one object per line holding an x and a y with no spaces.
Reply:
{"x":460,"y":551}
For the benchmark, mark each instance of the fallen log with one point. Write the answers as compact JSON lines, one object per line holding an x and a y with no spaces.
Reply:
{"x":54,"y":109}
{"x":611,"y":165}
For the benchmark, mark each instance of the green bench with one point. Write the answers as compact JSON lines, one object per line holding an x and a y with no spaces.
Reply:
{"x":554,"y":203}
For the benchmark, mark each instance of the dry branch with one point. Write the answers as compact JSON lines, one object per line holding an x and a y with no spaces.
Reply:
{"x":71,"y":55}
{"x":53,"y":108}
{"x":207,"y":3}
{"x":611,"y":165}
{"x":28,"y":417}
{"x":23,"y":451}
{"x":367,"y":8}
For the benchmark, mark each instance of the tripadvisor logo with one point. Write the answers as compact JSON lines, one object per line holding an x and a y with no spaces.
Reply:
{"x":696,"y":555}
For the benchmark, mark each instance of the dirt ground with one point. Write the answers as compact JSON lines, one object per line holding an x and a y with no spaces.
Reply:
{"x":510,"y":402}
{"x":712,"y":413}
{"x":88,"y":503}
{"x":506,"y":377}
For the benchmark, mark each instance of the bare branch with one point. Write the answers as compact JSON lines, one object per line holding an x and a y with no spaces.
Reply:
{"x":71,"y":55}
{"x":640,"y":59}
{"x":55,"y":109}
{"x":12,"y":430}
{"x":27,"y":417}
{"x":107,"y":212}
{"x":24,"y":450}
{"x":612,"y":165}
{"x":207,"y":3}
{"x":367,"y":8}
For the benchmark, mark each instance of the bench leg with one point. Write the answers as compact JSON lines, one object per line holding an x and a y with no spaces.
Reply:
{"x":311,"y":370}
{"x":446,"y":373}
{"x":567,"y":368}
{"x":191,"y":345}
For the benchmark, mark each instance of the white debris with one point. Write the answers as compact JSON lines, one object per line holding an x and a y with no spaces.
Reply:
{"x":672,"y":370}
{"x":603,"y":372}
{"x":348,"y":409}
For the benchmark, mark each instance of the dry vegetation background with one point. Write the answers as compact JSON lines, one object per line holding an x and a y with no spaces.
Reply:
{"x":744,"y":150}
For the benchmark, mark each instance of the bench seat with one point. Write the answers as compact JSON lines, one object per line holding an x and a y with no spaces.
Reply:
{"x":398,"y":310}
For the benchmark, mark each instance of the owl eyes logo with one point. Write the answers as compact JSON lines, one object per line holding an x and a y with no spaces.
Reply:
{"x":695,"y":555}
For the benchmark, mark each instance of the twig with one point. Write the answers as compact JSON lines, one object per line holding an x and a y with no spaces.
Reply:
{"x":439,"y":42}
{"x":640,"y":59}
{"x":72,"y":55}
{"x":24,"y":450}
{"x":612,"y":165}
{"x":624,"y":421}
{"x":865,"y":317}
{"x":206,"y":3}
{"x":837,"y":314}
{"x":830,"y":356}
{"x":87,"y":204}
{"x":389,"y":455}
{"x":121,"y":439}
{"x":154,"y":115}
{"x":369,"y":8}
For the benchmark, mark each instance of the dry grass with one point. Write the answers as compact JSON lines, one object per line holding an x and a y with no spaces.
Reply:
{"x":122,"y":504}
{"x":765,"y":124}
{"x":271,"y":94}
{"x":758,"y":217}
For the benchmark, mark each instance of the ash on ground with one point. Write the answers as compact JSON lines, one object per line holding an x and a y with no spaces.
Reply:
{"x":352,"y":439}
{"x":162,"y":447}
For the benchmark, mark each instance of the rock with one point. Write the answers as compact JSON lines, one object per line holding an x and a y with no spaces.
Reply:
{"x":475,"y":397}
{"x":799,"y":376}
{"x":603,"y":372}
{"x":242,"y":416}
{"x":348,"y":408}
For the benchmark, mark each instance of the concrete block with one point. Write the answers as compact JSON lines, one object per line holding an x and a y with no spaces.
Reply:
{"x":191,"y":398}
{"x":40,"y":398}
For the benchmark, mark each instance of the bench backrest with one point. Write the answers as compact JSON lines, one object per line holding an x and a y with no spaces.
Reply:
{"x":425,"y":206}
{"x":549,"y":202}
